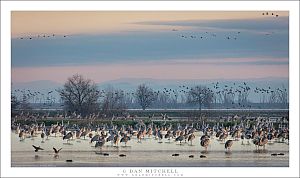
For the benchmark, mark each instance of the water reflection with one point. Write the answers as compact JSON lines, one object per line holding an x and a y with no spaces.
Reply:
{"x":147,"y":153}
{"x":56,"y":156}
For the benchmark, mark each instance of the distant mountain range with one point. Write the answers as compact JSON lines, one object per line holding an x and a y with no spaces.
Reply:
{"x":130,"y":84}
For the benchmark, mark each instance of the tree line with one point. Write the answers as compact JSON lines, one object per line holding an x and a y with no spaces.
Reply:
{"x":82,"y":96}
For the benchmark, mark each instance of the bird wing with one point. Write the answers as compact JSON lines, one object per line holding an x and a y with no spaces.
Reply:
{"x":59,"y":149}
{"x":202,"y":143}
{"x":35,"y":147}
{"x":55,"y":150}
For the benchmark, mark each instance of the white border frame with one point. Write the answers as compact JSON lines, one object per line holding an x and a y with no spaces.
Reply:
{"x":291,"y":6}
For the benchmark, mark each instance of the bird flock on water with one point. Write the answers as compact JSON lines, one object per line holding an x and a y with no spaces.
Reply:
{"x":260,"y":134}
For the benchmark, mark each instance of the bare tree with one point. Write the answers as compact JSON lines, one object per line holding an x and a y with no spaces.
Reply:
{"x":228,"y":97}
{"x":243,"y":94}
{"x":272,"y":97}
{"x":113,"y":100}
{"x":24,"y":103}
{"x":174,"y":98}
{"x":200,"y":95}
{"x":145,"y":96}
{"x":80,"y":95}
{"x":282,"y":94}
{"x":14,"y":102}
{"x":162,"y":100}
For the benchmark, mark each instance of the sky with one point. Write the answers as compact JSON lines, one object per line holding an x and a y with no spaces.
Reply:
{"x":110,"y":45}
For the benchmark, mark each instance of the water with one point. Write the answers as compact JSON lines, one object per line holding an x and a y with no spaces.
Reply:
{"x":148,"y":153}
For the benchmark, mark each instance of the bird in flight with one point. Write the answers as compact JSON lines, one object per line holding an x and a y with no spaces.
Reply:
{"x":37,"y":148}
{"x":56,"y":150}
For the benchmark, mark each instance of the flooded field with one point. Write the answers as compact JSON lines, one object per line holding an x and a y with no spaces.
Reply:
{"x":150,"y":152}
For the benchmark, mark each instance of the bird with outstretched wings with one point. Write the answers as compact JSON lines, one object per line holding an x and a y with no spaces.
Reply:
{"x":37,"y":148}
{"x":56,"y":150}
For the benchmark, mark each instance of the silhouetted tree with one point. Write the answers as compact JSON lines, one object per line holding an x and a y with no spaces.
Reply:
{"x":80,"y":95}
{"x":272,"y":97}
{"x":201,"y":96}
{"x":162,"y":100}
{"x":14,"y":102}
{"x":145,"y":96}
{"x":114,"y":100}
{"x":24,"y":103}
{"x":282,"y":94}
{"x":243,"y":95}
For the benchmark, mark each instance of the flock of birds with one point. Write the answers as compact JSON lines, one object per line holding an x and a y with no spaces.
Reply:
{"x":270,"y":13}
{"x":35,"y":96}
{"x":44,"y":36}
{"x":207,"y":35}
{"x":234,"y":36}
{"x":260,"y":134}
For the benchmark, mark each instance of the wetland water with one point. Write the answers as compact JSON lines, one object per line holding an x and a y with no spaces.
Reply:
{"x":147,"y":153}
